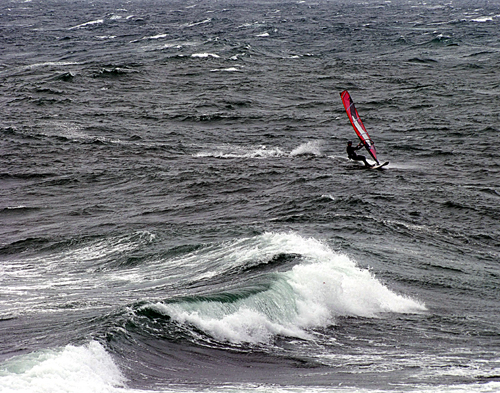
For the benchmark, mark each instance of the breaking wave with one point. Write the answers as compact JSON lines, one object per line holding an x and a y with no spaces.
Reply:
{"x":307,"y":286}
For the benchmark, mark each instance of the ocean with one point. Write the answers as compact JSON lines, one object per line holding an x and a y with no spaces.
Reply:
{"x":178,"y":213}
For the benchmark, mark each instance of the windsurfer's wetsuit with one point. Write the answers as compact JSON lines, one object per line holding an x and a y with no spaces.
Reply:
{"x":351,"y":153}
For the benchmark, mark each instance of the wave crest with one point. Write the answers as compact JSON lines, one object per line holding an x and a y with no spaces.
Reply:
{"x":318,"y":286}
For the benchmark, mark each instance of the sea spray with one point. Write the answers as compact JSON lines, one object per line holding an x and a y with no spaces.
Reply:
{"x":312,"y":148}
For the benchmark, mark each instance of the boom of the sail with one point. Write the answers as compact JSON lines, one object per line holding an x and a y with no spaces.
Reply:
{"x":357,"y":124}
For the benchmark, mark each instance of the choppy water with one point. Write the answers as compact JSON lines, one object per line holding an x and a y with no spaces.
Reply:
{"x":178,"y":213}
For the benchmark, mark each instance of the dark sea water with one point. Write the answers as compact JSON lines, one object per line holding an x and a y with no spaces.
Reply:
{"x":178,"y":213}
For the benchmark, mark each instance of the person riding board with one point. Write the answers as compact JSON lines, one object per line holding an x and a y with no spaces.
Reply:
{"x":351,"y":153}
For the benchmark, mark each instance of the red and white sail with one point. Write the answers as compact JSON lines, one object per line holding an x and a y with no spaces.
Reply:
{"x":357,"y":124}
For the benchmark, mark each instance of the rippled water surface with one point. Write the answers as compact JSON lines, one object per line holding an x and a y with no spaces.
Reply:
{"x":178,"y":213}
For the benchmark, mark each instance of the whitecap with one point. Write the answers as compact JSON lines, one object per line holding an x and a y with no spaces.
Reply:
{"x":484,"y":19}
{"x":198,"y":23}
{"x":205,"y":55}
{"x":230,"y":69}
{"x":83,"y":369}
{"x":155,"y":37}
{"x":87,"y":24}
{"x":52,"y":64}
{"x":328,"y":196}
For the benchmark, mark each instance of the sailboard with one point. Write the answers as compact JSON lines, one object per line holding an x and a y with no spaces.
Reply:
{"x":357,"y":124}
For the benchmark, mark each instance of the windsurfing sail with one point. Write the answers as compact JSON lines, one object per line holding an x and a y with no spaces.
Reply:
{"x":357,"y":124}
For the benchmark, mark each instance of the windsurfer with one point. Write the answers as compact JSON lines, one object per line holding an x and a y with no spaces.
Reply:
{"x":351,"y":153}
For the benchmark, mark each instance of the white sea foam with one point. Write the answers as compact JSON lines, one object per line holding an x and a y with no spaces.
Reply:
{"x":328,"y":196}
{"x":192,"y":24}
{"x":155,"y":37}
{"x":52,"y":64}
{"x":230,"y":151}
{"x":484,"y":19}
{"x":491,"y":387}
{"x":32,"y":281}
{"x":87,"y":24}
{"x":89,"y":369}
{"x":205,"y":55}
{"x":230,"y":69}
{"x":78,"y":369}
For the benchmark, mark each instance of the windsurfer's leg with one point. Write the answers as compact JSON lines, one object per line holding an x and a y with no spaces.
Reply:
{"x":362,"y":158}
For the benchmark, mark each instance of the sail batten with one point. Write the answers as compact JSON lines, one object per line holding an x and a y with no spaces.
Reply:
{"x":357,"y":124}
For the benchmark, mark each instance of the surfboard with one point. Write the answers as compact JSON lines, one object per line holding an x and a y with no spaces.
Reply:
{"x":359,"y":127}
{"x":379,"y":165}
{"x":364,"y":167}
